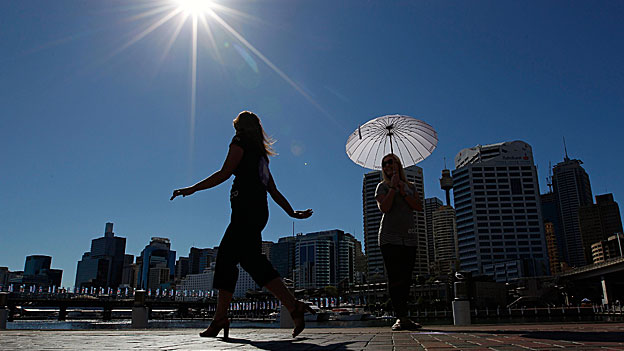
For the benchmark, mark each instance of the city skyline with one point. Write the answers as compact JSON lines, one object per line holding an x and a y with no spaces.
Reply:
{"x":97,"y":124}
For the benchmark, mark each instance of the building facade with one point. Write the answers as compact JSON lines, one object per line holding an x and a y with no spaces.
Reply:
{"x":598,"y":222}
{"x":612,"y":247}
{"x":500,"y":230}
{"x":572,"y":190}
{"x":157,"y":265}
{"x":552,"y":231}
{"x":324,"y":258}
{"x":200,"y":259}
{"x":282,"y":257}
{"x":37,"y":272}
{"x":444,"y":231}
{"x":431,"y":205}
{"x":103,"y":265}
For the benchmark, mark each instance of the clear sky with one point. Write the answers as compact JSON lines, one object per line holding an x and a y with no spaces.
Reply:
{"x":97,"y":121}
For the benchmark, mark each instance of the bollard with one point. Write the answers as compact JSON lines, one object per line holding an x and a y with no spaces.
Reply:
{"x":3,"y":310}
{"x":140,"y":312}
{"x":461,"y":305}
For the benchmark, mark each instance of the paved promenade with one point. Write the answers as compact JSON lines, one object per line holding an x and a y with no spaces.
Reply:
{"x":595,"y":336}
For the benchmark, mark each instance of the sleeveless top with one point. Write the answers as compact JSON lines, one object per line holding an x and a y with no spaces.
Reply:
{"x":251,"y":176}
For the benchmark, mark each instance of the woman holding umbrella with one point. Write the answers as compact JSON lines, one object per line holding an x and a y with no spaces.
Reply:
{"x":248,"y":160}
{"x":414,"y":140}
{"x":397,"y":199}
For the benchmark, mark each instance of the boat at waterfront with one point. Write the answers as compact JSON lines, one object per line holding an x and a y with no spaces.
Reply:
{"x":350,"y":313}
{"x":319,"y":315}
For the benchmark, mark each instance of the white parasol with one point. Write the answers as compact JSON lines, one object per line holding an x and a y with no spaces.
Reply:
{"x":411,"y":139}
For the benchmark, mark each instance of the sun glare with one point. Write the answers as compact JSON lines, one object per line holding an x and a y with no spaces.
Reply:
{"x":203,"y":16}
{"x":194,"y":7}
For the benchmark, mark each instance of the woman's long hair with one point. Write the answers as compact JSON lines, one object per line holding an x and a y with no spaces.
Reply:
{"x":247,"y":124}
{"x":401,"y":170}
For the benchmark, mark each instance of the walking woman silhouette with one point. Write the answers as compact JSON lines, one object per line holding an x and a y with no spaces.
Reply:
{"x":248,"y":160}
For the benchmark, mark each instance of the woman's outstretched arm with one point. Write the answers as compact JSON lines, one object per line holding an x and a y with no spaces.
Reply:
{"x":283,"y":203}
{"x":235,"y":154}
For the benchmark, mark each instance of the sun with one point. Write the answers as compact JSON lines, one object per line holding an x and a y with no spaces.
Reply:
{"x":194,"y":7}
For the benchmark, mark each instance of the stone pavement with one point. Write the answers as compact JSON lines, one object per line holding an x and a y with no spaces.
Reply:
{"x":587,"y":336}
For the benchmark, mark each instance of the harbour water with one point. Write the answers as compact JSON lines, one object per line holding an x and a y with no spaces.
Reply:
{"x":178,"y":323}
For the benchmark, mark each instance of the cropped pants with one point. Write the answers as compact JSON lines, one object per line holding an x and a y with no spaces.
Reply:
{"x":399,"y":261}
{"x":242,"y":243}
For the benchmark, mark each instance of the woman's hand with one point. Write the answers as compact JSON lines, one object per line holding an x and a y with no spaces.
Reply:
{"x":184,"y":192}
{"x":394,"y":181}
{"x":302,"y":214}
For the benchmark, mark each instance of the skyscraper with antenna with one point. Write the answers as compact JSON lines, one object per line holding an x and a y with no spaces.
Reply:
{"x":572,"y":190}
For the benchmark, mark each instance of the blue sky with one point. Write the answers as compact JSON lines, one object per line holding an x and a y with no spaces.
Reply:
{"x":96,"y":120}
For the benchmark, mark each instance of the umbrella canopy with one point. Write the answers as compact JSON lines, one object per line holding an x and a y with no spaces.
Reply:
{"x":411,"y":139}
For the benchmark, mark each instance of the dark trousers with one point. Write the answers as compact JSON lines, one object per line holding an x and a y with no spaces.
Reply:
{"x":242,"y":243}
{"x":399,"y":262}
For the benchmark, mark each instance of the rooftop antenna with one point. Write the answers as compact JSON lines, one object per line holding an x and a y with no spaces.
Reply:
{"x":444,"y":162}
{"x":565,"y":148}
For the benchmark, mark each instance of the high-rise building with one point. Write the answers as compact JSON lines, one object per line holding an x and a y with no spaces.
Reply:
{"x":372,"y":220}
{"x":552,"y":230}
{"x":157,"y":264}
{"x":181,"y":268}
{"x":551,"y":247}
{"x":266,"y":248}
{"x":198,"y":282}
{"x":129,"y":272}
{"x":36,"y":264}
{"x":499,"y":225}
{"x":612,"y":247}
{"x":37,"y":272}
{"x":445,"y":240}
{"x":599,"y":221}
{"x":360,"y":264}
{"x":103,"y":265}
{"x":324,"y":258}
{"x":200,"y":259}
{"x":572,"y":190}
{"x":432,"y":204}
{"x":282,"y":256}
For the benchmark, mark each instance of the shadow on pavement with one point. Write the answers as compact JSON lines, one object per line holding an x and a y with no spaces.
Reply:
{"x":549,"y":334}
{"x":294,"y":344}
{"x":575,"y":336}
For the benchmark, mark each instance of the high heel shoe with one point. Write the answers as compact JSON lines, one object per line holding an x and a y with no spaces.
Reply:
{"x":216,"y":326}
{"x":298,"y":317}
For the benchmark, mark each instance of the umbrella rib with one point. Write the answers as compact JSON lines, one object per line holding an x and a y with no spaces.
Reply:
{"x":368,"y":132}
{"x":433,"y":144}
{"x":404,"y":123}
{"x":422,"y":131}
{"x":374,"y":138}
{"x":422,"y":146}
{"x":415,"y":147}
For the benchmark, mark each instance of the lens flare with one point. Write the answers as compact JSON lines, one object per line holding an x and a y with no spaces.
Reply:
{"x":194,"y":7}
